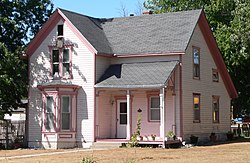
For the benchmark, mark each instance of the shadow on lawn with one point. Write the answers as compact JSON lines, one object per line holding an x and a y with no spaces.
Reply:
{"x":235,"y":140}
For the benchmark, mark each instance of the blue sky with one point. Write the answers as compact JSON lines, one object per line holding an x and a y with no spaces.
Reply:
{"x":100,"y":8}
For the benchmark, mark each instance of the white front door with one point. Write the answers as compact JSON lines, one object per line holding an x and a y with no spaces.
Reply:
{"x":121,"y":119}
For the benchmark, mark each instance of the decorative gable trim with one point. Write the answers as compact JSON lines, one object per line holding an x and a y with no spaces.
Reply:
{"x":212,"y":45}
{"x":48,"y":27}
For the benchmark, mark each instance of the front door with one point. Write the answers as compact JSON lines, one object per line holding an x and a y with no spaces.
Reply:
{"x":121,"y":119}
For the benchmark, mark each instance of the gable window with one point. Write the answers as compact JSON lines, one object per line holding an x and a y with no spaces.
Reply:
{"x":154,"y":109}
{"x":60,"y":30}
{"x":215,"y":75}
{"x":61,"y":63}
{"x":196,"y":107}
{"x":215,"y":109}
{"x":65,"y":124}
{"x":196,"y":63}
{"x":49,"y":114}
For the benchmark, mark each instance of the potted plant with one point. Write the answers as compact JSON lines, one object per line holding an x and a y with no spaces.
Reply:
{"x":170,"y":135}
{"x":194,"y":139}
{"x":230,"y":135}
{"x":212,"y":137}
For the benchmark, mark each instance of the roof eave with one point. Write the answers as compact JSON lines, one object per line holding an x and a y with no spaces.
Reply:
{"x":155,"y":86}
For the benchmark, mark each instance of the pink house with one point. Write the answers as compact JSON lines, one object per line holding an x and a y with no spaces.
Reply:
{"x":88,"y":77}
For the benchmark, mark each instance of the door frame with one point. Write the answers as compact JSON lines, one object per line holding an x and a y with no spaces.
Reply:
{"x":117,"y":111}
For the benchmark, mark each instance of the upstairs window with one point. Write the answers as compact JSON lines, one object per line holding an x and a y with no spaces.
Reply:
{"x":60,"y":30}
{"x":196,"y":107}
{"x":215,"y":109}
{"x":196,"y":63}
{"x":154,"y":109}
{"x":55,"y":63}
{"x":61,"y":63}
{"x":215,"y":75}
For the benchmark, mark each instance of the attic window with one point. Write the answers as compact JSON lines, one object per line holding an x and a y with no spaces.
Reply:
{"x":60,"y":30}
{"x":215,"y":75}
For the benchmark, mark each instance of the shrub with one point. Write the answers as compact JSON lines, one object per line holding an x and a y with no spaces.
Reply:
{"x":88,"y":160}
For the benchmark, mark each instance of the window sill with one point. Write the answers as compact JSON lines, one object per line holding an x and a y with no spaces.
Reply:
{"x":154,"y":121}
{"x":196,"y":121}
{"x":196,"y":78}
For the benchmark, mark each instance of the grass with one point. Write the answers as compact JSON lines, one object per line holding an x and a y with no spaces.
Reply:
{"x":232,"y":152}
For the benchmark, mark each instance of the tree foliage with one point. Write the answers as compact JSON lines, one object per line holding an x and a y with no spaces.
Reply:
{"x":20,"y":20}
{"x":230,"y":23}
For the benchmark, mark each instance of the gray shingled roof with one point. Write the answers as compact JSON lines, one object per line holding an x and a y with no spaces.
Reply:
{"x":157,"y":33}
{"x":137,"y":75}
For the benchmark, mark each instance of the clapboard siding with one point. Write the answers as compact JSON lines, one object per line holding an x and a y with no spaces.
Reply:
{"x":102,"y":63}
{"x":206,"y":87}
{"x":83,"y":75}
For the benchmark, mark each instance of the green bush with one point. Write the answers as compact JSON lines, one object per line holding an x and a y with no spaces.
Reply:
{"x":88,"y":160}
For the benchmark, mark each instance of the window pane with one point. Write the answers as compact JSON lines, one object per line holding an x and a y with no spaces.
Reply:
{"x":123,"y":107}
{"x":196,"y":114}
{"x":155,"y":114}
{"x":65,"y":112}
{"x":65,"y":121}
{"x":65,"y":55}
{"x":65,"y":104}
{"x":49,"y":107}
{"x":155,"y":102}
{"x":65,"y":69}
{"x":55,"y":56}
{"x":123,"y":119}
{"x":196,"y":56}
{"x":196,"y":102}
{"x":49,"y":122}
{"x":55,"y":68}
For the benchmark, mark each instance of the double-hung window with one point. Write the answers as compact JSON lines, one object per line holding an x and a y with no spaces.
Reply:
{"x":65,"y":104}
{"x":215,"y":109}
{"x":196,"y":107}
{"x":154,"y":109}
{"x":61,"y":63}
{"x":49,"y":113}
{"x":196,"y":63}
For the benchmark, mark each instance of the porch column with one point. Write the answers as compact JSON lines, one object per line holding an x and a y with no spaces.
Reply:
{"x":162,"y":115}
{"x":128,"y":115}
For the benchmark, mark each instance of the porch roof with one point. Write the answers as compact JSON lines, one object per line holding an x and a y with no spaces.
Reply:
{"x":137,"y":75}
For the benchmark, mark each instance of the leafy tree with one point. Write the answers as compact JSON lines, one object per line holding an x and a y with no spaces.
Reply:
{"x":20,"y":20}
{"x":230,"y":23}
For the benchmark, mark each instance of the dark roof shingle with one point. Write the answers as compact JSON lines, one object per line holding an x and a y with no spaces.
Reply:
{"x":157,"y":33}
{"x":137,"y":75}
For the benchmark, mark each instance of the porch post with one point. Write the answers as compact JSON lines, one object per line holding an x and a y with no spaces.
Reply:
{"x":162,"y":115}
{"x":128,"y":115}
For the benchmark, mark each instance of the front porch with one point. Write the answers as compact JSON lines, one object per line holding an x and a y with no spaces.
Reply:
{"x":126,"y":89}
